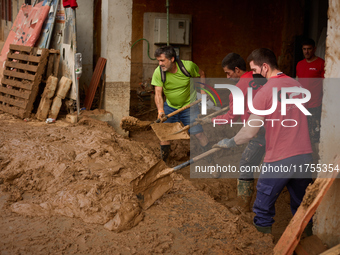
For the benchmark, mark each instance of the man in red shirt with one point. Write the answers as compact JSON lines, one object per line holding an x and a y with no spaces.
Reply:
{"x":311,"y":72}
{"x":288,"y":145}
{"x":235,"y":68}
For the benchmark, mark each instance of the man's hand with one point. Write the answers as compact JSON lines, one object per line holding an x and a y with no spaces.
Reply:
{"x":161,"y":114}
{"x":226,"y":143}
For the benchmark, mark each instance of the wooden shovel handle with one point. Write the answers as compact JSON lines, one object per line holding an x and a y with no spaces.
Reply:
{"x":178,"y":111}
{"x":187,"y":163}
{"x":196,"y":123}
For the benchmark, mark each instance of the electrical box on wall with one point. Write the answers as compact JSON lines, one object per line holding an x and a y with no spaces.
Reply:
{"x":179,"y":31}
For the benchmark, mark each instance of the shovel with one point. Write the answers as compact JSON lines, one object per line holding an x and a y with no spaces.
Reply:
{"x":155,"y":182}
{"x":133,"y":124}
{"x":187,"y":127}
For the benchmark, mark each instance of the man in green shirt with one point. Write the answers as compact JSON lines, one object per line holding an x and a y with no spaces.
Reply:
{"x":178,"y":92}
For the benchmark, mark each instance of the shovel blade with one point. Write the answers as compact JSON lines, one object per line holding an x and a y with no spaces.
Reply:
{"x":148,"y":187}
{"x":133,"y":124}
{"x":165,"y":131}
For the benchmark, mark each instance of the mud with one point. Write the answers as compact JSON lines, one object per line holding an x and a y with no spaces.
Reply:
{"x":311,"y":192}
{"x":165,"y":131}
{"x":133,"y":124}
{"x":65,"y":188}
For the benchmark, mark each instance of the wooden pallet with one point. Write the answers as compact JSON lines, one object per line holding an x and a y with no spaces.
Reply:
{"x":22,"y":75}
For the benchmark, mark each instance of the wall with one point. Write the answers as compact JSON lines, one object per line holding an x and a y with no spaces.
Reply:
{"x":226,"y":26}
{"x":149,"y":65}
{"x":85,"y":39}
{"x":115,"y":47}
{"x":327,"y":221}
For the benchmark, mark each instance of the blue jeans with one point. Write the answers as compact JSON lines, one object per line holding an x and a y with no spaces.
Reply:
{"x":186,"y":117}
{"x":269,"y":189}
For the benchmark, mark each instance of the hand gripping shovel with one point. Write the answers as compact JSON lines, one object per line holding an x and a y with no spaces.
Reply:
{"x":205,"y":118}
{"x":157,"y":181}
{"x":133,"y":124}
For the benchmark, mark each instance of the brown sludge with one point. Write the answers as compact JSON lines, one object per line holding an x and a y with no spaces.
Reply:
{"x":133,"y":124}
{"x":64,"y":186}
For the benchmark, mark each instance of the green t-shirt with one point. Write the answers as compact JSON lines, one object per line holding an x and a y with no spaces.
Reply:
{"x":177,"y":86}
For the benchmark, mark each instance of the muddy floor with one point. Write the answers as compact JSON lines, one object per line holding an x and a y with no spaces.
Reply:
{"x":64,"y":188}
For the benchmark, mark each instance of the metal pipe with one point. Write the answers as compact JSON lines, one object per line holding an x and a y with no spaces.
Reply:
{"x":167,"y":23}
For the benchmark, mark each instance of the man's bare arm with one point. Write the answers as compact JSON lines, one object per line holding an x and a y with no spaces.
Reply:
{"x":248,"y":132}
{"x":159,"y":101}
{"x":202,"y":79}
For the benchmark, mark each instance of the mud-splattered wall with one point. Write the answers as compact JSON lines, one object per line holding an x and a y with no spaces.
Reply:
{"x":225,"y":26}
{"x":327,"y":221}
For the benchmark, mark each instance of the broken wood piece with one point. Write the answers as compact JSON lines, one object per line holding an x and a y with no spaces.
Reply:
{"x":313,"y":197}
{"x":63,"y":88}
{"x":46,"y":98}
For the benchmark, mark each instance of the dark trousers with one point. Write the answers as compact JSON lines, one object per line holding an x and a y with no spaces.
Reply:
{"x":270,"y":185}
{"x":252,"y":155}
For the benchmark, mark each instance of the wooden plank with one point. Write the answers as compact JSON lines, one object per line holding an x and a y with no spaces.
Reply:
{"x":21,"y":57}
{"x":24,"y":76}
{"x":94,"y":83}
{"x":22,"y":94}
{"x":333,"y":251}
{"x":13,"y":110}
{"x":291,"y":236}
{"x":15,"y":47}
{"x":18,"y":84}
{"x":11,"y":101}
{"x":53,"y":51}
{"x":25,"y":67}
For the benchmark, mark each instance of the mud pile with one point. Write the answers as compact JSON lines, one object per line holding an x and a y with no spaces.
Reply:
{"x":83,"y":171}
{"x":79,"y":171}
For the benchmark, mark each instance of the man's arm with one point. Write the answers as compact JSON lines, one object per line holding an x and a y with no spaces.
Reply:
{"x":202,"y":79}
{"x":159,"y":101}
{"x":247,"y":132}
{"x":244,"y":135}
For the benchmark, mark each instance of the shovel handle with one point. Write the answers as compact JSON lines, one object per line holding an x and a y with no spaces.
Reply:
{"x":196,"y":123}
{"x":178,"y":111}
{"x":187,"y":163}
{"x":193,"y":160}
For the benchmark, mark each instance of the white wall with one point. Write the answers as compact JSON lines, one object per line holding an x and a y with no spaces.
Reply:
{"x":327,"y":220}
{"x":116,"y":48}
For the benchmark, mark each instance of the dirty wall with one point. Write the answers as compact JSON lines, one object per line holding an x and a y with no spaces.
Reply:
{"x":327,"y":221}
{"x":225,"y":26}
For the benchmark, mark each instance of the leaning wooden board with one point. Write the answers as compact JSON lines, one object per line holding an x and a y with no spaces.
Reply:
{"x":291,"y":237}
{"x":94,"y":82}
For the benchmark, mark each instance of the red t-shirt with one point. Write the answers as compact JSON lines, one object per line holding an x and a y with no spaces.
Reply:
{"x":310,"y":76}
{"x":246,"y":81}
{"x":282,"y":142}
